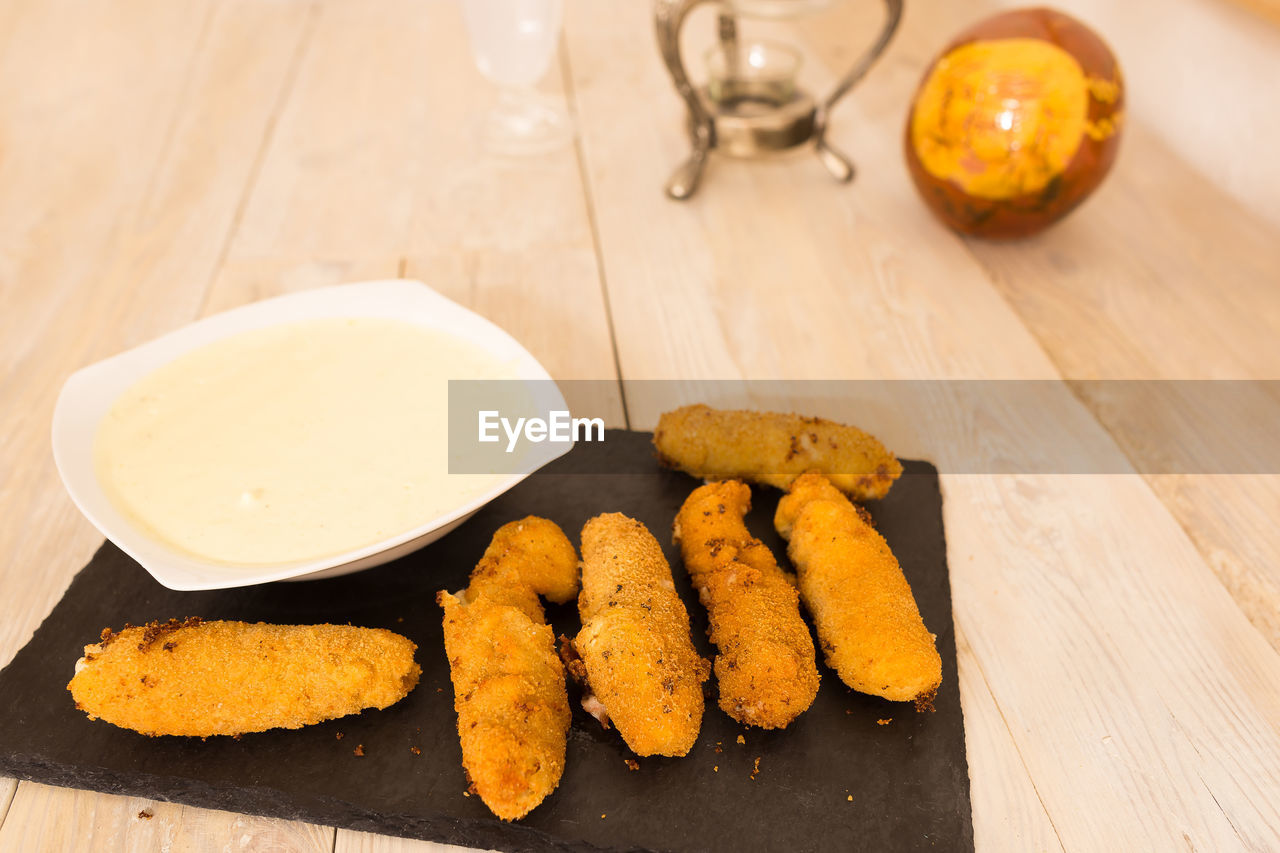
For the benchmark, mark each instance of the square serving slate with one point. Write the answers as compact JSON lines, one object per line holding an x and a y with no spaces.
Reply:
{"x":836,"y":779}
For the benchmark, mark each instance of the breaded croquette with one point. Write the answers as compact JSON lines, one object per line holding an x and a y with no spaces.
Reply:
{"x":508,"y":683}
{"x":773,"y":449}
{"x":765,"y":664}
{"x":200,"y":678}
{"x":867,"y":619}
{"x":525,"y":559}
{"x":634,"y":645}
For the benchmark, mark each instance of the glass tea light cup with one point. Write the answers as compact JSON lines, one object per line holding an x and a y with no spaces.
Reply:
{"x":740,"y":74}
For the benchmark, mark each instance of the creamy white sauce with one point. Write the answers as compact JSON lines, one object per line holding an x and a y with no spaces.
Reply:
{"x":294,"y":442}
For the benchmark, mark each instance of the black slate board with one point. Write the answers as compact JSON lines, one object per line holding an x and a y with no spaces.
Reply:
{"x":908,"y":779}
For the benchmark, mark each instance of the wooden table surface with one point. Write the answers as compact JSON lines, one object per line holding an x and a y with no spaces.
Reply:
{"x":1118,"y":635}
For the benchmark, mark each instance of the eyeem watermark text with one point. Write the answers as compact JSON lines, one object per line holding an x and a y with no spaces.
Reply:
{"x":558,"y":427}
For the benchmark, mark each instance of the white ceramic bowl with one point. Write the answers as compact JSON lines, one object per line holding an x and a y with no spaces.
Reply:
{"x":89,"y":393}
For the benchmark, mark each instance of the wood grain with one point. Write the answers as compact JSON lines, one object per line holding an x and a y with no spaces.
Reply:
{"x":91,"y":200}
{"x":66,"y":819}
{"x":7,"y":789}
{"x":374,"y":171}
{"x":177,"y":100}
{"x":1014,"y":814}
{"x":1190,"y":295}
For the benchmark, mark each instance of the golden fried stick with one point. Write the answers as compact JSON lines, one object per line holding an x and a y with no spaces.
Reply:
{"x":508,"y":683}
{"x":202,"y":678}
{"x":867,"y":619}
{"x":634,"y":645}
{"x":773,"y":449}
{"x":765,"y":665}
{"x":525,"y":559}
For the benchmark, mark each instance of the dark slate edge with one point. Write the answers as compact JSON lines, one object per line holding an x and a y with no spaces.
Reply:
{"x":951,"y":665}
{"x":269,"y":802}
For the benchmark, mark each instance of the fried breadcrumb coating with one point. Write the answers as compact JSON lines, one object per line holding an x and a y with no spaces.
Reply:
{"x":200,"y":678}
{"x":867,"y":619}
{"x":773,"y":449}
{"x":635,"y":647}
{"x":525,"y":559}
{"x":508,"y":683}
{"x":765,"y":665}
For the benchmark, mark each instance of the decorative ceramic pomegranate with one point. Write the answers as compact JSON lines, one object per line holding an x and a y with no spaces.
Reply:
{"x":1016,"y":122}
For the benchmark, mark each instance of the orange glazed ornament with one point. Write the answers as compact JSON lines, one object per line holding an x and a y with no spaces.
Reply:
{"x":1015,"y":123}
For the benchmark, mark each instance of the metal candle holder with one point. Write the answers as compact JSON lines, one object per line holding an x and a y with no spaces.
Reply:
{"x":747,"y":116}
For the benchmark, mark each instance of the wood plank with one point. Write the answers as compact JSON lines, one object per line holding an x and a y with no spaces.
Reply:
{"x":368,"y":842}
{"x":175,"y":101}
{"x":1107,"y":649}
{"x":1016,"y":816}
{"x":375,"y":172}
{"x":1151,"y":279}
{"x":178,"y":122}
{"x":1090,"y":614}
{"x":7,"y":789}
{"x":1190,"y":295}
{"x":1231,"y":519}
{"x":67,"y":819}
{"x":96,"y":84}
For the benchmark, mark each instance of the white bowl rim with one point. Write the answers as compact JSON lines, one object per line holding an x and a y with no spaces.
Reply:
{"x":88,"y":393}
